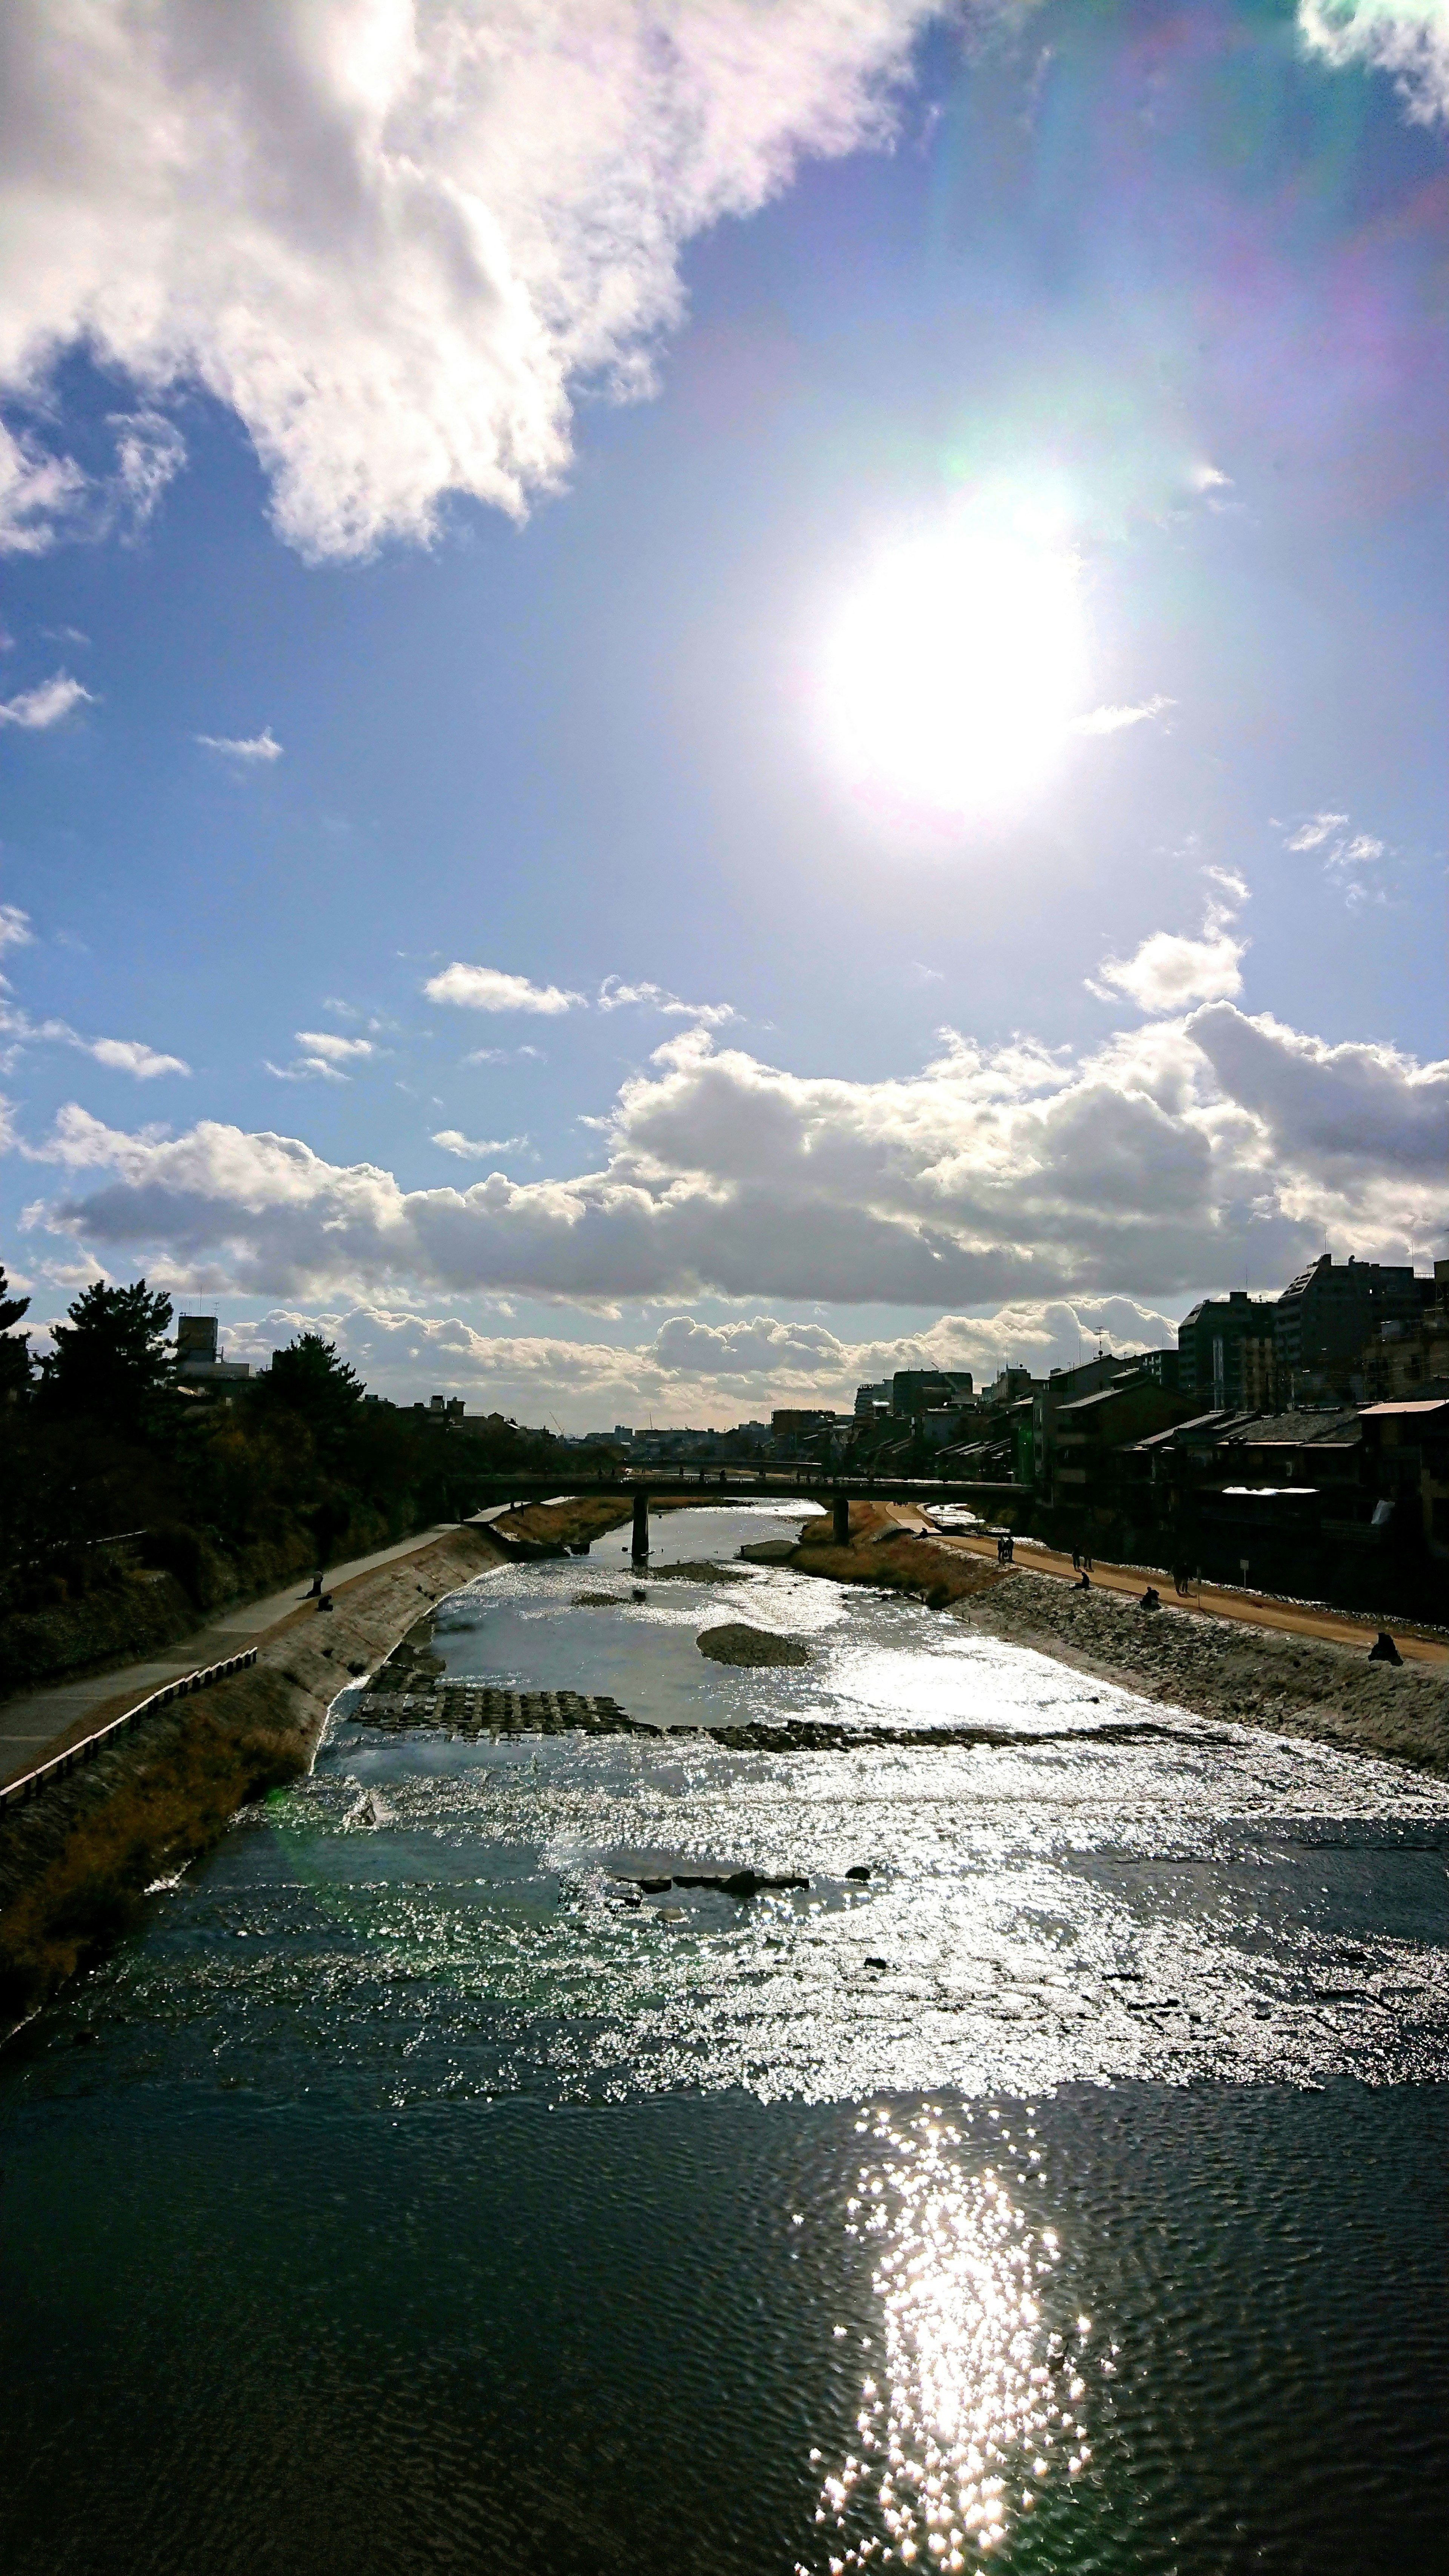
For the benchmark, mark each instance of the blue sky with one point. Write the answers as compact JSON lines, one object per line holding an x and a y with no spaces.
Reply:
{"x":871,"y":580}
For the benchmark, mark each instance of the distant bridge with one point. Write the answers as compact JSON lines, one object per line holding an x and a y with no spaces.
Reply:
{"x":742,"y":1480}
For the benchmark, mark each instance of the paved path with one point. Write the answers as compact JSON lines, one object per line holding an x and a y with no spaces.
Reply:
{"x":1253,"y":1609}
{"x":44,"y":1721}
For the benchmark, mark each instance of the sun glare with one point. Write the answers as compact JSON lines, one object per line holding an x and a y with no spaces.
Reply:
{"x":953,"y":675}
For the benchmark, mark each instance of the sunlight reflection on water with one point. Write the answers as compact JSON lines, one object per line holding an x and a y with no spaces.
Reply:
{"x":977,"y":2402}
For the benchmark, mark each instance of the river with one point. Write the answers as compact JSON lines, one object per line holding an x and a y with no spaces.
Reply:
{"x":417,"y":2193}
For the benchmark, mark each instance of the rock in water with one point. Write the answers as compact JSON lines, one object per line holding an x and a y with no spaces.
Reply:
{"x":735,"y":1643}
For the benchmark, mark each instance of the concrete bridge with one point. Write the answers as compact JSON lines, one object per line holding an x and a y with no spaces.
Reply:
{"x":743,"y":1480}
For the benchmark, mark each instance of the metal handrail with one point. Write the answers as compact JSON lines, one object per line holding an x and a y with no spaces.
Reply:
{"x":31,"y":1783}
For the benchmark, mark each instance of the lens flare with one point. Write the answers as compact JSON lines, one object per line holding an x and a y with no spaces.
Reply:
{"x":954,"y":672}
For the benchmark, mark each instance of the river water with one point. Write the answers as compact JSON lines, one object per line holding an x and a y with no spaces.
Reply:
{"x":416,"y":2194}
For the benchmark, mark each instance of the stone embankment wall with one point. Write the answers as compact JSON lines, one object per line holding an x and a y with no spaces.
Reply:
{"x":1216,"y":1668}
{"x":76,"y":1861}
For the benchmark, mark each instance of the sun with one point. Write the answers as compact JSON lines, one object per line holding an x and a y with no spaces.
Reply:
{"x":952,"y":674}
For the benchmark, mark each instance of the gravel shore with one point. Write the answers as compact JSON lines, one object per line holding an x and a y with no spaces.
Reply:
{"x":1215,"y":1668}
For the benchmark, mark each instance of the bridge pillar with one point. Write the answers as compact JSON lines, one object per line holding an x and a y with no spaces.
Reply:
{"x":640,"y":1550}
{"x":842,"y":1520}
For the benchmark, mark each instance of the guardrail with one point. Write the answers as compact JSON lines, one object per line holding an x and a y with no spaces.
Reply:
{"x":30,"y":1784}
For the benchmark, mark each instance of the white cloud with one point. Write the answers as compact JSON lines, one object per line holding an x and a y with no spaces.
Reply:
{"x":337,"y":1050}
{"x":1407,"y":38}
{"x":249,"y":747}
{"x":150,"y":453}
{"x":393,"y":238}
{"x":1015,"y":1176}
{"x":118,"y":1055}
{"x":46,"y":704}
{"x":615,"y":995}
{"x":1347,"y":855}
{"x":487,"y":988}
{"x":687,"y":1371}
{"x":15,"y":932}
{"x":1318,"y":829}
{"x":129,"y":1055}
{"x":1116,"y":719}
{"x":1167,"y":972}
{"x":36,"y":490}
{"x":473,"y":1149}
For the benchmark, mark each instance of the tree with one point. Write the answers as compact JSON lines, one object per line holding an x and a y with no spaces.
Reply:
{"x":14,"y":1347}
{"x":310,"y":1380}
{"x":110,"y":1362}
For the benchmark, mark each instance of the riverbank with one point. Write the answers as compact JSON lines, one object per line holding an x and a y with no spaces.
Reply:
{"x":77,"y":1862}
{"x":1246,"y":1674}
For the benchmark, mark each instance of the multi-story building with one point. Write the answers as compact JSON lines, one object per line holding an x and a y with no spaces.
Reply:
{"x":870,"y":1400}
{"x":199,"y":1361}
{"x":925,"y":1390}
{"x":1331,"y":1311}
{"x":1226,"y":1352}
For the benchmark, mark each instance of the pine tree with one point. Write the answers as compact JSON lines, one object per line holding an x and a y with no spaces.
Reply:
{"x":14,"y":1347}
{"x":110,"y":1362}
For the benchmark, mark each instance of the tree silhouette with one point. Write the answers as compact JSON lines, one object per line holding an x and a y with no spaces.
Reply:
{"x":110,"y":1362}
{"x":14,"y":1347}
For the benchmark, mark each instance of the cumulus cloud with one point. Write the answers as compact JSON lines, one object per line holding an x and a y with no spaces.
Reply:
{"x":46,"y":704}
{"x":393,"y":238}
{"x":1167,"y":972}
{"x":1407,"y":38}
{"x":1116,"y":719}
{"x":1139,"y":1169}
{"x":249,"y":748}
{"x":487,"y":988}
{"x":615,"y":995}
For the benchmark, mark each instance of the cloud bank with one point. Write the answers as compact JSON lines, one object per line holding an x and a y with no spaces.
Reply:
{"x":686,"y":1371}
{"x":393,"y":235}
{"x":1145,"y":1168}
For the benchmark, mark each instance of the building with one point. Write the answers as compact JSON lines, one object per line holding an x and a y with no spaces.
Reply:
{"x":914,"y":1391}
{"x":1226,"y":1351}
{"x":1406,"y":1360}
{"x":870,"y":1400}
{"x":1327,"y":1316}
{"x":1084,"y":1435}
{"x":199,"y":1361}
{"x":1061,"y":1387}
{"x":1163,"y":1367}
{"x":1408,"y":1454}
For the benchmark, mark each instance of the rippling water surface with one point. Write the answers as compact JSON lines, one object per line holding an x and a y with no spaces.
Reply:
{"x":1065,"y":2194}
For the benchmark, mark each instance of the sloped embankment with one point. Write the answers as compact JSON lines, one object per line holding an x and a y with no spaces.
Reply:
{"x":75,"y":1863}
{"x":1296,"y":1685}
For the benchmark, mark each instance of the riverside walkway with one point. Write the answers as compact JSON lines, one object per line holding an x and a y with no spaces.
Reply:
{"x":1213,"y":1600}
{"x":42,"y":1722}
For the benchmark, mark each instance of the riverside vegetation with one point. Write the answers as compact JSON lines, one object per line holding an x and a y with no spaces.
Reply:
{"x":216,"y":1499}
